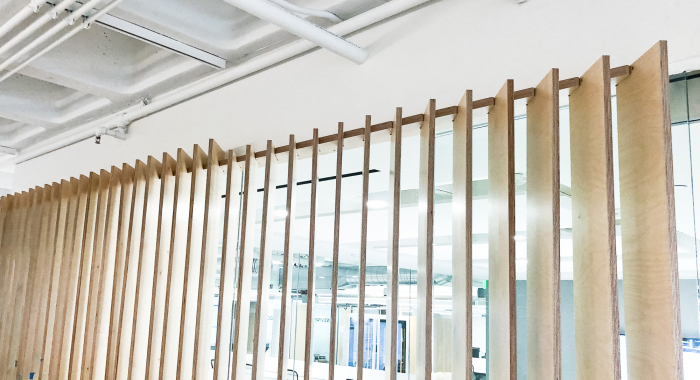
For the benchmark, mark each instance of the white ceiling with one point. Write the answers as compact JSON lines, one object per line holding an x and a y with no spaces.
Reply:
{"x":101,"y":71}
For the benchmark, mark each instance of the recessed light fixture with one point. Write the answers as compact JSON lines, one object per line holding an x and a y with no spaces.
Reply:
{"x":281,"y":213}
{"x":376,"y":204}
{"x":319,"y":264}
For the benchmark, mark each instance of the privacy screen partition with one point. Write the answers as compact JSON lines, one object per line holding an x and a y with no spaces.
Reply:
{"x":109,"y":276}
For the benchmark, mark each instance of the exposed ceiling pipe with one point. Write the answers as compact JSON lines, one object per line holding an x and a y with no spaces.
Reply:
{"x":51,"y":14}
{"x":87,"y":131}
{"x":70,"y":20}
{"x":22,"y":15}
{"x":306,"y":11}
{"x":84,"y":25}
{"x":300,"y":27}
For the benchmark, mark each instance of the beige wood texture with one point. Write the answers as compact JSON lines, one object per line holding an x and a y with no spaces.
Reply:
{"x":245,"y":271}
{"x":392,"y":270}
{"x":232,"y":211}
{"x":160,"y":268}
{"x":126,"y":196}
{"x":131,"y":269}
{"x":543,"y":273}
{"x":649,"y":248}
{"x":176,"y":268}
{"x":336,"y":252}
{"x":426,"y":201}
{"x":502,"y":360}
{"x":363,"y":248}
{"x":9,"y":249}
{"x":144,"y":273}
{"x":288,"y":263}
{"x":596,"y":319}
{"x":311,"y":275}
{"x":462,"y":240}
{"x":192,"y":265}
{"x":106,"y":283}
{"x":264,"y":264}
{"x":208,"y":265}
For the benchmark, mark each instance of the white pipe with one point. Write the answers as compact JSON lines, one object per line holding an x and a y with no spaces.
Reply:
{"x":296,"y":25}
{"x":22,"y":15}
{"x":306,"y":11}
{"x":218,"y":79}
{"x":70,"y":20}
{"x":33,"y":27}
{"x":86,"y":24}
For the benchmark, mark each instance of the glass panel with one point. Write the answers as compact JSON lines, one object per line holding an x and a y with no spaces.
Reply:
{"x":566,"y":248}
{"x":694,"y":95}
{"x":678,"y":99}
{"x":480,"y":250}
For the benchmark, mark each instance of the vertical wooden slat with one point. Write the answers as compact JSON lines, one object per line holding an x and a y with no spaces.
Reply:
{"x":264,"y":264}
{"x":125,"y":211}
{"x":543,"y":335}
{"x":8,"y":248}
{"x":462,"y":240}
{"x":649,"y":247}
{"x":130,"y":272}
{"x":245,"y":268}
{"x":228,"y":269}
{"x":394,"y":212}
{"x":336,"y":252}
{"x":288,"y":263}
{"x":160,"y":270}
{"x":95,"y":276}
{"x":144,"y":274}
{"x":84,"y":280}
{"x":363,"y":250}
{"x":207,"y":268}
{"x":192,"y":264}
{"x":311,"y":276}
{"x":106,"y":283}
{"x":176,"y":268}
{"x":502,"y":348}
{"x":596,"y":319}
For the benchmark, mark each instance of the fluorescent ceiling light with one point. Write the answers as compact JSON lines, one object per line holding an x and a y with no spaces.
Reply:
{"x":281,"y":213}
{"x":376,"y":204}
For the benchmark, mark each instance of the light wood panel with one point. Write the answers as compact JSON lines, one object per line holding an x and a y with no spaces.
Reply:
{"x":596,"y":319}
{"x":288,"y":263}
{"x":311,"y":275}
{"x":649,"y":248}
{"x":264,"y":264}
{"x":426,"y":212}
{"x":123,"y":232}
{"x":363,"y":249}
{"x":336,"y":253}
{"x":232,"y":209}
{"x":245,"y":267}
{"x":208,"y":264}
{"x":192,"y":265}
{"x":161,"y":263}
{"x":176,"y":268}
{"x":502,"y":346}
{"x":8,"y":249}
{"x":392,"y":269}
{"x":107,"y":278}
{"x":462,"y":240}
{"x":543,"y":273}
{"x":145,"y":271}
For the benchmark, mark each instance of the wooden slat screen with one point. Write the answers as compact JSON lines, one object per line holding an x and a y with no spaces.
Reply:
{"x":112,"y":275}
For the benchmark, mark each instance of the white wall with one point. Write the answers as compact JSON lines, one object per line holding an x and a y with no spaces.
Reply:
{"x":436,"y":52}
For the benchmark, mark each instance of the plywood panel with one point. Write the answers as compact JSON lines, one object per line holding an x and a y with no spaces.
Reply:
{"x":502,"y":348}
{"x":649,"y":248}
{"x":192,"y":264}
{"x":461,"y":360}
{"x":288,"y":263}
{"x":125,"y":211}
{"x":336,"y":253}
{"x":264,"y":264}
{"x":232,"y":211}
{"x":176,"y":268}
{"x":161,"y":262}
{"x":595,"y":262}
{"x":311,"y":275}
{"x":106,"y":283}
{"x":208,"y":265}
{"x":543,"y":322}
{"x":245,"y":271}
{"x":363,"y":249}
{"x":9,"y":249}
{"x":144,"y":274}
